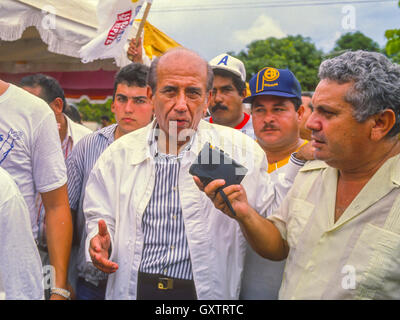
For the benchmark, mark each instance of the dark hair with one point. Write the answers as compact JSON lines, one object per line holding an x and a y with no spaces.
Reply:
{"x":107,"y":118}
{"x":296,"y":102}
{"x":308,"y":94}
{"x":50,"y":88}
{"x":134,"y":74}
{"x":73,"y":113}
{"x":236,"y":80}
{"x":152,"y":77}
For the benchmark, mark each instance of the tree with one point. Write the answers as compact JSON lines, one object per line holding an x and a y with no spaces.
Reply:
{"x":93,"y":112}
{"x":355,"y":41}
{"x":393,"y":43}
{"x":296,"y":53}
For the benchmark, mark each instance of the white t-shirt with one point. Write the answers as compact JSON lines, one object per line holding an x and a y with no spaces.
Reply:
{"x":30,"y":147}
{"x":246,"y":126}
{"x":20,"y":266}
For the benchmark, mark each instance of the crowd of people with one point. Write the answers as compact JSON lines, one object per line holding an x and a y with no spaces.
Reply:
{"x":117,"y":215}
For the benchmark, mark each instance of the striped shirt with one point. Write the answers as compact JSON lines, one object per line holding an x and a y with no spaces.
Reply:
{"x":166,"y":249}
{"x":79,"y":165}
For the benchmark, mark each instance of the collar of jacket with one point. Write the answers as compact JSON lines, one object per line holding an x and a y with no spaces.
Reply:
{"x":144,"y":138}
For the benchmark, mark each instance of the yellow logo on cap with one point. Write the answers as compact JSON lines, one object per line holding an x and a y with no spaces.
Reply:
{"x":271,"y":74}
{"x":268,"y":75}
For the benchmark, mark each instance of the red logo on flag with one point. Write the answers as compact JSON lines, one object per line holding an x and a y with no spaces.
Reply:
{"x":119,"y":26}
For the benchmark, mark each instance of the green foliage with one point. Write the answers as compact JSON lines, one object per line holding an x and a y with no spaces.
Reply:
{"x":393,"y":43}
{"x":93,"y":112}
{"x":296,"y":53}
{"x":355,"y":41}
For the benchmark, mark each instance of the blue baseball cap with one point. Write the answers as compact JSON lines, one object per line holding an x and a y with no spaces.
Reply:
{"x":274,"y":82}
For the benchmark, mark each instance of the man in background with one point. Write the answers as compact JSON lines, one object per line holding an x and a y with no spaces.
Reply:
{"x":132,"y":110}
{"x":229,"y":90}
{"x":105,"y":121}
{"x":276,"y":110}
{"x":306,"y":104}
{"x":49,"y":90}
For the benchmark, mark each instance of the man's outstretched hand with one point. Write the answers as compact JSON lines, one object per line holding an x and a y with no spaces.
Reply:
{"x":99,"y":250}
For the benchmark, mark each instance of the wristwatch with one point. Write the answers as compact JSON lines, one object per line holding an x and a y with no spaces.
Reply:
{"x":61,"y":292}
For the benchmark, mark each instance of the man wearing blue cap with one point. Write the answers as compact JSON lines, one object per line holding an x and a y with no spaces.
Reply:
{"x":277,"y":109}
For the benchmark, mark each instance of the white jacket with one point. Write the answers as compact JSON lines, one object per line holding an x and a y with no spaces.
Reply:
{"x":121,"y":184}
{"x":76,"y":131}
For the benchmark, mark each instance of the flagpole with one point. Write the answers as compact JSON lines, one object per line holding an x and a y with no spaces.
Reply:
{"x":141,"y":25}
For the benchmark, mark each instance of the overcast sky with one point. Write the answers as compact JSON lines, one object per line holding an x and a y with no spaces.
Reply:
{"x":211,"y":27}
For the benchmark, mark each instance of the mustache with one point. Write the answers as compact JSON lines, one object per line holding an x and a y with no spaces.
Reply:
{"x":269,"y":126}
{"x":219,"y":106}
{"x":317,"y":137}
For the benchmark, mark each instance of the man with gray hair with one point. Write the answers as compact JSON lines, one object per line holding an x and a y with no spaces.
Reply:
{"x":341,"y":218}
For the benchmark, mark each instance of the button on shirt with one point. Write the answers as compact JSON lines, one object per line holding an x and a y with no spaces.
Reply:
{"x":356,"y":257}
{"x":120,"y":188}
{"x":166,"y":249}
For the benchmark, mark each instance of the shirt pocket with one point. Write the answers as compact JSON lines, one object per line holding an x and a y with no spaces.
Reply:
{"x":377,"y":254}
{"x":299,"y":213}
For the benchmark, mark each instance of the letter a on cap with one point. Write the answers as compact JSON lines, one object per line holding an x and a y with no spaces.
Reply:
{"x":224,"y":60}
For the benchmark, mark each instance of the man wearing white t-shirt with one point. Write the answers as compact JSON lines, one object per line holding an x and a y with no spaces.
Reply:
{"x":229,"y":89}
{"x":30,"y":151}
{"x":20,"y":266}
{"x":48,"y":89}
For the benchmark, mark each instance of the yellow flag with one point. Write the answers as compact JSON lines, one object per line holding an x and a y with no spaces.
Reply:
{"x":155,"y":42}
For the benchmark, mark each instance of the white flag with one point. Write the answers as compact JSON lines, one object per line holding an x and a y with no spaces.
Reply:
{"x":115,"y":18}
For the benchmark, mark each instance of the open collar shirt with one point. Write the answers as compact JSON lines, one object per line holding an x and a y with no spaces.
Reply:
{"x":166,"y":249}
{"x":120,"y":187}
{"x":356,"y":257}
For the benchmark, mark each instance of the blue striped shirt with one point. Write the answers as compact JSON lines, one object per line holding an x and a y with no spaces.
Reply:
{"x":79,"y":165}
{"x":166,"y":249}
